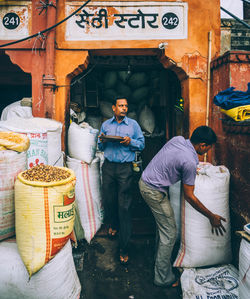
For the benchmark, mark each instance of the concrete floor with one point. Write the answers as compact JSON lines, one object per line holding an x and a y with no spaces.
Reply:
{"x":102,"y":276}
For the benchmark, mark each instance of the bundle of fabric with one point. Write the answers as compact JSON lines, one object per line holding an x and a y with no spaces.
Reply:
{"x":234,"y":103}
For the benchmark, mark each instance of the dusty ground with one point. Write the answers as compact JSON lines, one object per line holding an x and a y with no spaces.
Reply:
{"x":102,"y":276}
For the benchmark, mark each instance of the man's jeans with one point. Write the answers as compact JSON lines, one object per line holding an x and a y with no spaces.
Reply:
{"x":165,"y":234}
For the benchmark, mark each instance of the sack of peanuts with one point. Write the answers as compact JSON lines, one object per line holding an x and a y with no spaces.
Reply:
{"x":14,"y":141}
{"x":45,"y":213}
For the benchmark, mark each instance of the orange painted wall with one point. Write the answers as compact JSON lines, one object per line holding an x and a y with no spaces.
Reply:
{"x":190,"y":54}
{"x":71,"y":58}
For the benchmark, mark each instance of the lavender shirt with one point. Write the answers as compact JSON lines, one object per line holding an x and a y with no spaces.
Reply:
{"x":177,"y":160}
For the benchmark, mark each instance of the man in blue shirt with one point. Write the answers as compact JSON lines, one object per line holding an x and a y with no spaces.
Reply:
{"x":117,"y":172}
{"x":177,"y":160}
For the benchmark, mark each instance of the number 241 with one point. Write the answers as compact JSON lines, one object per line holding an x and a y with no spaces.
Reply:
{"x":12,"y":21}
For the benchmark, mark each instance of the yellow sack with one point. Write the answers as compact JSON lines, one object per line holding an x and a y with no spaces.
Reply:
{"x":45,"y":213}
{"x":239,"y":113}
{"x":14,"y":141}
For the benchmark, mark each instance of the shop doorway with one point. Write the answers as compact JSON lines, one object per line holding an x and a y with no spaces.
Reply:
{"x":155,"y":101}
{"x":14,"y":83}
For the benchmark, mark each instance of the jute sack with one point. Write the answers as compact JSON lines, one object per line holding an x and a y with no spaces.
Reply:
{"x":45,"y":213}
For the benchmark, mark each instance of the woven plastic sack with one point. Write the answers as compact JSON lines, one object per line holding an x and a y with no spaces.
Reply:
{"x":212,"y":189}
{"x":106,"y":109}
{"x":82,"y":142}
{"x":14,"y":141}
{"x":56,"y":280}
{"x":147,"y":120}
{"x":175,"y":193}
{"x":45,"y":215}
{"x":11,"y":163}
{"x":88,"y":196}
{"x":16,"y":110}
{"x":211,"y":283}
{"x":244,"y":269}
{"x":44,"y":135}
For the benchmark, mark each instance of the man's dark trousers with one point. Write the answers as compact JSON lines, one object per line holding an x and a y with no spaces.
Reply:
{"x":117,"y":198}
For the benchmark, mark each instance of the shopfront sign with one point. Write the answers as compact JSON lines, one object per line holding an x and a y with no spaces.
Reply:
{"x":127,"y":21}
{"x":14,"y":20}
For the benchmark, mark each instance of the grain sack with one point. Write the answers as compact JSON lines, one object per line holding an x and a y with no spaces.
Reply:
{"x":88,"y":195}
{"x":138,"y":79}
{"x":14,"y":141}
{"x":175,"y":194}
{"x":44,"y":135}
{"x":106,"y":109}
{"x":147,"y":120}
{"x":123,"y":76}
{"x":139,"y":94}
{"x":110,"y":79}
{"x":56,"y":280}
{"x":212,"y":189}
{"x":44,"y":205}
{"x":244,"y":269}
{"x":16,"y":110}
{"x":132,"y":115}
{"x":82,"y":142}
{"x":109,"y":95}
{"x":94,"y":121}
{"x":212,"y":283}
{"x":123,"y":90}
{"x":11,"y":164}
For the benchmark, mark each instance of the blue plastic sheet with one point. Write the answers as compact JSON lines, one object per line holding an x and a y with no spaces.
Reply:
{"x":230,"y":98}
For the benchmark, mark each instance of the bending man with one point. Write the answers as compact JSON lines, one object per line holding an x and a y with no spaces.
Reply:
{"x":177,"y":160}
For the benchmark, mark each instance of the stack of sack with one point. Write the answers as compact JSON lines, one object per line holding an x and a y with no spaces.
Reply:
{"x":199,"y":247}
{"x":234,"y":103}
{"x":21,"y":109}
{"x":45,"y":139}
{"x":39,"y":263}
{"x":13,"y":160}
{"x":82,"y":159}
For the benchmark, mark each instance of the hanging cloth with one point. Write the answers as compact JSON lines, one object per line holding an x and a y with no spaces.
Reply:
{"x":230,"y":98}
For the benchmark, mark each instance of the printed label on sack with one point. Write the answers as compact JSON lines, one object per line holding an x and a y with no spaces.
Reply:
{"x":64,"y":216}
{"x":219,"y":285}
{"x":38,"y":151}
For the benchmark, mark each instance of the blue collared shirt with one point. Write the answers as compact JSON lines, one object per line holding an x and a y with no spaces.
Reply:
{"x":115,"y":151}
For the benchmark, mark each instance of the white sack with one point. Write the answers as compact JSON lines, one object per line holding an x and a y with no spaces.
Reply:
{"x":16,"y":110}
{"x":82,"y":142}
{"x":147,"y":120}
{"x":175,"y":201}
{"x":94,"y":121}
{"x":56,"y":280}
{"x":106,"y":109}
{"x":244,"y":270}
{"x":212,"y":283}
{"x":38,"y":130}
{"x":199,"y":247}
{"x":132,"y":115}
{"x":88,"y":195}
{"x":11,"y":164}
